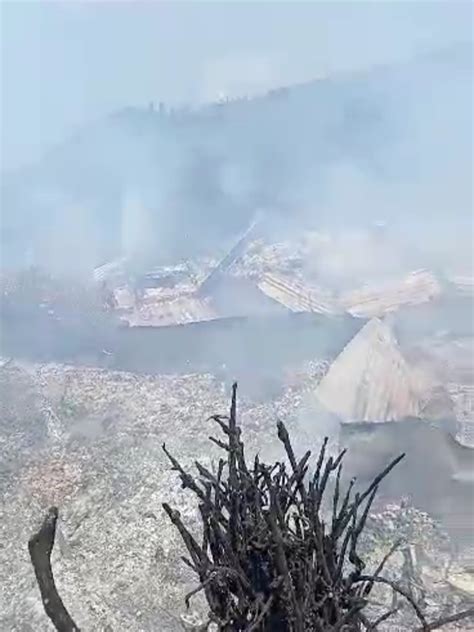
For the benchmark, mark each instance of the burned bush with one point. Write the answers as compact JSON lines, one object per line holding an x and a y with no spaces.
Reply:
{"x":271,"y":558}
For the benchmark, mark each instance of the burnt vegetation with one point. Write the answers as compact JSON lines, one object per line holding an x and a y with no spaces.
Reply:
{"x":279,"y":545}
{"x":274,"y":556}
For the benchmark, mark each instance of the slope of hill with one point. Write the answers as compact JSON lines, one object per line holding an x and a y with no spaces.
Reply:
{"x":388,"y":142}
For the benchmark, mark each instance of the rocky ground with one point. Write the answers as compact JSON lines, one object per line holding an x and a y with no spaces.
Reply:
{"x":90,"y":442}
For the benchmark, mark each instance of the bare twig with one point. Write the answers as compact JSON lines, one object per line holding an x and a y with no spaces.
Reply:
{"x":453,"y":618}
{"x":401,"y":591}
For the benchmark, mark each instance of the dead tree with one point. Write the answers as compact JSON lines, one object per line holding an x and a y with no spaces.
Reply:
{"x":268,"y":560}
{"x":40,"y":547}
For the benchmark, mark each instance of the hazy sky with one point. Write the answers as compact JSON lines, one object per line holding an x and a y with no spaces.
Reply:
{"x":67,"y":63}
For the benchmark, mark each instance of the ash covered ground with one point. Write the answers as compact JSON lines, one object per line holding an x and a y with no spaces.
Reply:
{"x":96,"y":453}
{"x":89,"y":441}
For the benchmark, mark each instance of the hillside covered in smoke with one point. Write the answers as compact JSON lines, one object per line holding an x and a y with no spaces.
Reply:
{"x":391,"y":144}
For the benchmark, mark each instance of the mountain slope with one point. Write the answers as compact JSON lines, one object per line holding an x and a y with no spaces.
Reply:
{"x":348,"y":148}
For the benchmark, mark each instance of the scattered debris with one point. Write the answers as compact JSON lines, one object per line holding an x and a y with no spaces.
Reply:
{"x":297,"y":297}
{"x":94,"y":446}
{"x":419,"y":287}
{"x":179,"y":311}
{"x":369,"y":380}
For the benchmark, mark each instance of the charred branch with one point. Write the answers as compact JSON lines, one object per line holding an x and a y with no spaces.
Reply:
{"x":40,"y":547}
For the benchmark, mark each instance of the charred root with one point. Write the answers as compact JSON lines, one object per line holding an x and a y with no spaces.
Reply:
{"x":40,"y":547}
